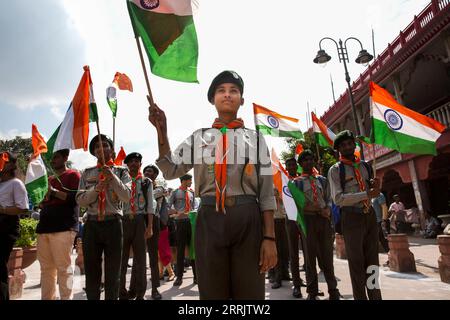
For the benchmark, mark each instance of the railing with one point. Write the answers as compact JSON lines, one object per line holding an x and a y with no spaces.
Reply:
{"x":441,"y":114}
{"x":405,"y":37}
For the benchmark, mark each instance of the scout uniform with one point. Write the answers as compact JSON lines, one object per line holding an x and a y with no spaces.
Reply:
{"x":349,"y":182}
{"x":183,"y":201}
{"x":103,"y":231}
{"x":319,"y":238}
{"x":229,"y":229}
{"x":281,"y":270}
{"x":294,"y":236}
{"x":134,"y":221}
{"x":152,"y":242}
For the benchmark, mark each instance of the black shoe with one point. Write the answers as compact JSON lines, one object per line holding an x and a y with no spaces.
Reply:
{"x":276,"y":285}
{"x":335,"y":296}
{"x":321,"y":294}
{"x":178,"y":282}
{"x":131,"y":295}
{"x":156,"y":295}
{"x":297,"y":293}
{"x":302,"y":283}
{"x":271,"y":279}
{"x":312,"y":297}
{"x":140,"y":298}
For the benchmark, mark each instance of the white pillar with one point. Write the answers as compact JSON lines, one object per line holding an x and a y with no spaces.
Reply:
{"x":419,"y":188}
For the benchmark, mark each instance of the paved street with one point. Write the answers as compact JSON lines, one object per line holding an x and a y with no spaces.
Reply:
{"x":425,"y":284}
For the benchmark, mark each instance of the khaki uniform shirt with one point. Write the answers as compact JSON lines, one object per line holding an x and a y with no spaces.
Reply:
{"x":323,"y":194}
{"x":139,"y":199}
{"x":352,"y":197}
{"x":198,"y":152}
{"x":118,"y":192}
{"x":177,"y":200}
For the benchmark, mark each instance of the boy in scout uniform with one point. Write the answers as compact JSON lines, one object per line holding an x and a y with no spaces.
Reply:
{"x":235,"y":238}
{"x":181,"y":202}
{"x":102,"y":191}
{"x":319,"y":239}
{"x":137,"y":223}
{"x":294,"y":236}
{"x":352,"y":188}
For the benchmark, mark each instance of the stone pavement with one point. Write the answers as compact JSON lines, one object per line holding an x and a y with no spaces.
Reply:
{"x":424,"y":284}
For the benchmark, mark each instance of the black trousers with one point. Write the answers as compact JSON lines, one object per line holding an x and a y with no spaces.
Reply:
{"x":152,"y":248}
{"x":183,"y":235}
{"x":282,"y":268}
{"x":294,"y":236}
{"x":319,"y":243}
{"x":6,"y":246}
{"x":384,"y":242}
{"x":133,"y":237}
{"x":360,"y":231}
{"x":99,"y":238}
{"x":227,"y":248}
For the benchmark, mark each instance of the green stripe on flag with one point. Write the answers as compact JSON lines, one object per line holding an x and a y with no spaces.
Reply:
{"x":401,"y":142}
{"x":47,"y":157}
{"x":37,"y":189}
{"x":321,"y":140}
{"x":279,"y":133}
{"x":170,"y":42}
{"x":300,"y":200}
{"x":93,"y":113}
{"x":193,"y":220}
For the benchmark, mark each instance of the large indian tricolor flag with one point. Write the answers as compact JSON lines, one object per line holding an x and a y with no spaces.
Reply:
{"x":36,"y":181}
{"x":293,"y":198}
{"x":167,"y":30}
{"x":399,"y":128}
{"x":73,"y":133}
{"x":323,"y":135}
{"x":269,"y":122}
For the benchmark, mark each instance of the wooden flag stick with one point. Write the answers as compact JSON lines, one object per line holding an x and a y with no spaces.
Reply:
{"x":149,"y":89}
{"x":114,"y":133}
{"x":102,"y":153}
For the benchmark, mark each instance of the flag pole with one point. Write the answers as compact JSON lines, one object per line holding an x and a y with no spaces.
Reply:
{"x":114,"y":133}
{"x":102,"y":153}
{"x":149,"y":89}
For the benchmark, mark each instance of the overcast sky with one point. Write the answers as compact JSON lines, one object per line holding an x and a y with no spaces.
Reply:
{"x":271,"y":44}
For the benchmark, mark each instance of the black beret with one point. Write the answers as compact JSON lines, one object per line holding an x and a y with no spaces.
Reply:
{"x":304,"y":154}
{"x":133,"y":155}
{"x":153,"y":167}
{"x":225,"y":77}
{"x":342,"y":136}
{"x":94,"y":141}
{"x":186,"y":177}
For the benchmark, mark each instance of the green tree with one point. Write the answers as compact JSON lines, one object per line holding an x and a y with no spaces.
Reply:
{"x":22,"y":148}
{"x":327,"y":155}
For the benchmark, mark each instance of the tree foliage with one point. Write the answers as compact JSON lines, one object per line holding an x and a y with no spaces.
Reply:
{"x":327,"y":155}
{"x":22,"y":148}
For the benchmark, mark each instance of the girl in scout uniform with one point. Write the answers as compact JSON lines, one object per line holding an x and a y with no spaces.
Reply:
{"x":234,"y":237}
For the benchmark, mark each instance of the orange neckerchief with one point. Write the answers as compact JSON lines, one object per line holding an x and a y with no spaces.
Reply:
{"x":312,"y":180}
{"x":220,"y":167}
{"x":133,"y":191}
{"x":355,"y":165}
{"x":187,"y":200}
{"x":102,"y":194}
{"x":4,"y":158}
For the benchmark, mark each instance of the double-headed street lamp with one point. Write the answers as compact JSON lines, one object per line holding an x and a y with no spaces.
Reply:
{"x":363,"y":58}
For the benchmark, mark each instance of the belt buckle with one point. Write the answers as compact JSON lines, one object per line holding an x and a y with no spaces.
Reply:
{"x":230,"y":201}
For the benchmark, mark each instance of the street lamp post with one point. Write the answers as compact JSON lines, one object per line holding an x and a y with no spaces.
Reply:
{"x":363,"y":58}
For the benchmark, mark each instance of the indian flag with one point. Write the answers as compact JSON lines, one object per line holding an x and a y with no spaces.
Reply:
{"x":73,"y":133}
{"x":293,"y":198}
{"x":399,"y":128}
{"x":271,"y":123}
{"x":167,"y":30}
{"x":36,"y":181}
{"x":120,"y":82}
{"x":323,"y":135}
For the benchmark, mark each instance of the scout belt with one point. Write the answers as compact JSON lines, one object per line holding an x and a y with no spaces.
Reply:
{"x":229,"y":201}
{"x":107,"y":217}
